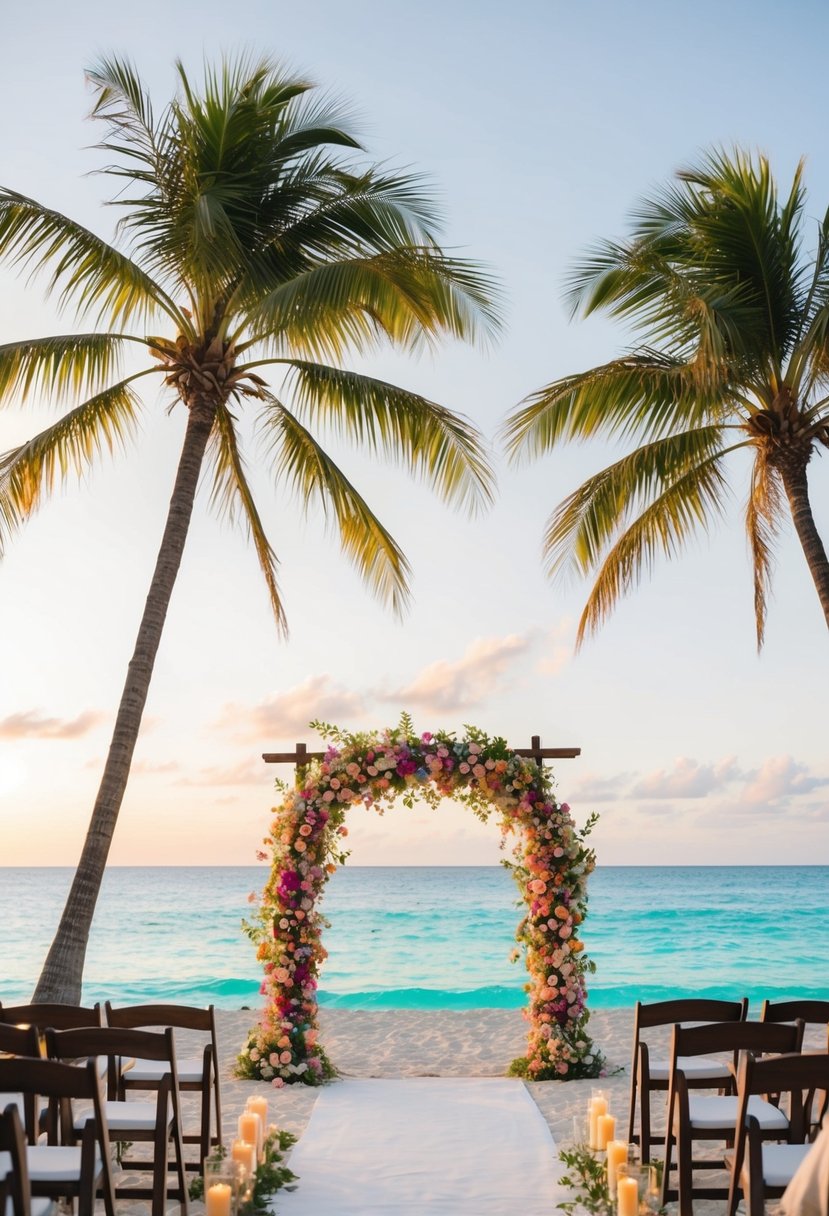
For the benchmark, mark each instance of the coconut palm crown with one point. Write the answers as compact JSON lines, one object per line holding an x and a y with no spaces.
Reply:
{"x":734,"y":320}
{"x":251,"y":243}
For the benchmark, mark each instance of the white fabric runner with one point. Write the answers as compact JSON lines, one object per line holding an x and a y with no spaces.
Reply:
{"x":424,"y":1147}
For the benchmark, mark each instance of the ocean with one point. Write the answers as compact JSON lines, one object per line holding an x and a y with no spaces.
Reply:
{"x":433,"y":937}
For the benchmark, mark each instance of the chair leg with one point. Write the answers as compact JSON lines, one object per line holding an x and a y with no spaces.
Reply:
{"x":685,"y":1172}
{"x":645,"y":1126}
{"x":178,"y":1148}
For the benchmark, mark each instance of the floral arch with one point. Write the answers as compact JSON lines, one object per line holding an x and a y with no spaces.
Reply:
{"x":550,"y":863}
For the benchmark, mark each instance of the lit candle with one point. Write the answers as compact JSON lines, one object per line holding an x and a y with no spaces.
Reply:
{"x":244,"y":1154}
{"x":627,"y":1194}
{"x":259,"y":1106}
{"x":605,"y":1130}
{"x":218,"y":1199}
{"x":617,"y":1154}
{"x":250,"y":1128}
{"x":596,"y":1107}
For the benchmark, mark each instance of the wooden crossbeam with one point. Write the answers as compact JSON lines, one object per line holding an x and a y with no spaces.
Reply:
{"x":302,"y":756}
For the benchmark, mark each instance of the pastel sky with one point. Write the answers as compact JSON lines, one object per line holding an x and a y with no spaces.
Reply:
{"x":541,"y":123}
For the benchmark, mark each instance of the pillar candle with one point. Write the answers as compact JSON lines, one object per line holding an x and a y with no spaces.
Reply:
{"x":217,"y":1200}
{"x":627,"y":1194}
{"x":249,"y":1125}
{"x":596,"y":1107}
{"x":259,"y":1106}
{"x":244,"y":1154}
{"x":617,"y":1154}
{"x":605,"y":1130}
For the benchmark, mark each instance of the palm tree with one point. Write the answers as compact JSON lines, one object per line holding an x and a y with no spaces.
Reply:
{"x":733,"y":317}
{"x":248,"y":241}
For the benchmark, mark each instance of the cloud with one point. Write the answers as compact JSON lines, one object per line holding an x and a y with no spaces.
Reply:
{"x":286,"y":715}
{"x":449,"y":686}
{"x":593,"y":788}
{"x":31,"y":724}
{"x":252,"y":771}
{"x":780,"y":777}
{"x":687,"y":779}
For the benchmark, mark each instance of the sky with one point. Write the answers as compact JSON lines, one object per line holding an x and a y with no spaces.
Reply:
{"x":540,"y":125}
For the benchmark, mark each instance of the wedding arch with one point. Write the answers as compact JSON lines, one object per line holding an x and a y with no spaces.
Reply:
{"x":549,"y":860}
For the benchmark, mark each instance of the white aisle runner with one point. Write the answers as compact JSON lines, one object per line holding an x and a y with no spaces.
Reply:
{"x":424,"y":1147}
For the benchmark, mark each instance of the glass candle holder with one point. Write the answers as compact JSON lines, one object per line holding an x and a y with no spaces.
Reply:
{"x":220,"y":1189}
{"x":632,"y":1183}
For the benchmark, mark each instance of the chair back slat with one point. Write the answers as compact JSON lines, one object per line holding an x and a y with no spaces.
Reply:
{"x":811,"y":1012}
{"x":775,"y":1037}
{"x":187,"y":1017}
{"x":19,"y":1040}
{"x":48,"y":1013}
{"x":668,"y":1013}
{"x":110,"y":1041}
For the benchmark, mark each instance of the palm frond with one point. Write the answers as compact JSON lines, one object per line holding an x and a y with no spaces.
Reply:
{"x":763,"y":525}
{"x":664,"y":527}
{"x":644,"y":395}
{"x":233,"y":498}
{"x":314,"y":477}
{"x":432,"y":442}
{"x":29,"y":472}
{"x":408,"y":296}
{"x":589,"y":519}
{"x":60,"y":367}
{"x":85,"y":270}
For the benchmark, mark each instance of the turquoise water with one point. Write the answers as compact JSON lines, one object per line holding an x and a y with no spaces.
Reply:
{"x":433,"y":937}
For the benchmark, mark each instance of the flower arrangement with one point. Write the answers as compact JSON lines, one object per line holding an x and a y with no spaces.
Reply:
{"x":550,"y":864}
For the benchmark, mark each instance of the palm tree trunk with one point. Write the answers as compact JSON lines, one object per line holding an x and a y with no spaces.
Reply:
{"x":62,"y":973}
{"x":793,"y":475}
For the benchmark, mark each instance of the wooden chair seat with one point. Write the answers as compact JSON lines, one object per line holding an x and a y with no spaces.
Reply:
{"x":780,"y":1162}
{"x":190,"y":1071}
{"x":710,"y":1072}
{"x":719,"y":1112}
{"x":49,"y":1163}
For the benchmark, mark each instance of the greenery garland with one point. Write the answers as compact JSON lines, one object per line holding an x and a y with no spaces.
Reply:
{"x":550,"y":863}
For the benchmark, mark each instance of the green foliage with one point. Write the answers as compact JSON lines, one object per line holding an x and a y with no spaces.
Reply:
{"x":587,"y":1176}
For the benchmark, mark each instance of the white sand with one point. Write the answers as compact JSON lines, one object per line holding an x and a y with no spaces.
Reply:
{"x":475,"y":1043}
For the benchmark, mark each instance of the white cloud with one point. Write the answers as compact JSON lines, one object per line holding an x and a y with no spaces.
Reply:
{"x":687,"y":779}
{"x":450,"y":686}
{"x":33,"y":724}
{"x":284,"y":717}
{"x":780,"y":777}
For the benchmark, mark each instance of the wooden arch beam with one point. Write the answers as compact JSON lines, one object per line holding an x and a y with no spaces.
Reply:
{"x":301,"y":756}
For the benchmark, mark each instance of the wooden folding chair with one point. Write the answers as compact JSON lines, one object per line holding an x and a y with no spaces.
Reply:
{"x":15,"y":1188}
{"x":196,"y":1073}
{"x":21,"y":1041}
{"x":157,"y":1123}
{"x":766,"y":1169}
{"x":692,"y":1117}
{"x":62,"y":1168}
{"x":649,"y":1075}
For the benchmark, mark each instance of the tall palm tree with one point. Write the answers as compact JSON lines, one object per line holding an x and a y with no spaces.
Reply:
{"x":733,"y":315}
{"x":250,"y":240}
